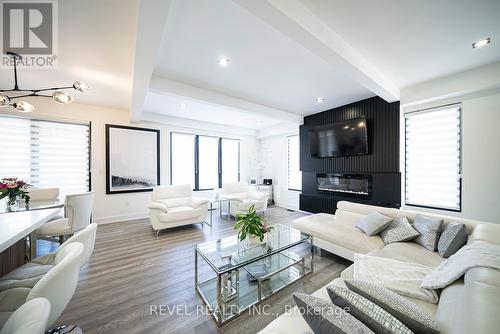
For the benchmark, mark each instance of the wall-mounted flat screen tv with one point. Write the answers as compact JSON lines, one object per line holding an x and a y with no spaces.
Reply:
{"x":339,"y":139}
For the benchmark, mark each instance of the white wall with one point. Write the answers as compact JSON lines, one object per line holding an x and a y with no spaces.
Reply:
{"x":480,"y":137}
{"x":118,"y":207}
{"x":274,"y":164}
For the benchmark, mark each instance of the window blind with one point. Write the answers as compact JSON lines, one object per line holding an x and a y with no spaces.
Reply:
{"x":45,"y":153}
{"x":205,"y":162}
{"x":182,"y":159}
{"x":209,"y":162}
{"x":294,"y":173}
{"x":432,"y":158}
{"x":230,"y":157}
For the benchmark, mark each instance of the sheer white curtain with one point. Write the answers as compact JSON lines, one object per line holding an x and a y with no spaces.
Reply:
{"x":45,"y":153}
{"x":432,"y":157}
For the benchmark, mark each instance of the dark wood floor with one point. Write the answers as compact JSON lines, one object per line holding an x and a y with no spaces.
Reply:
{"x":132,"y":269}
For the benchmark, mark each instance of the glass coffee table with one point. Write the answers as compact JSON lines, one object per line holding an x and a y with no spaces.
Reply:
{"x":234,"y":275}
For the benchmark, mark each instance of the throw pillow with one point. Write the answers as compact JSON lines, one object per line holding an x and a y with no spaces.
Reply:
{"x":399,"y":230}
{"x":373,"y":223}
{"x":453,"y":237}
{"x":429,"y":229}
{"x":369,"y":313}
{"x":325,"y":318}
{"x":406,"y":311}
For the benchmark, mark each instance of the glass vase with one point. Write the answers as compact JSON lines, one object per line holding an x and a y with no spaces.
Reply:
{"x":12,"y":203}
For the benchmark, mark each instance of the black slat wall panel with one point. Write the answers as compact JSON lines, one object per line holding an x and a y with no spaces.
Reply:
{"x":382,"y":161}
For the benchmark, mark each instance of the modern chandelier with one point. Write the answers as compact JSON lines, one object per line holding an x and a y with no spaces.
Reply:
{"x":57,"y":95}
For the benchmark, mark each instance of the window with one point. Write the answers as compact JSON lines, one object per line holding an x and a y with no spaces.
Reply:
{"x":204,"y":162}
{"x":294,"y":173}
{"x":45,"y":153}
{"x":182,"y":158}
{"x":208,"y":167}
{"x":432,"y":158}
{"x":230,"y":160}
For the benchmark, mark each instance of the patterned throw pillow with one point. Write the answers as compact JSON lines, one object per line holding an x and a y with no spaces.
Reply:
{"x":453,"y":237}
{"x":406,"y":311}
{"x":372,"y":315}
{"x":373,"y":223}
{"x":324,"y":317}
{"x":399,"y":230}
{"x":429,"y":229}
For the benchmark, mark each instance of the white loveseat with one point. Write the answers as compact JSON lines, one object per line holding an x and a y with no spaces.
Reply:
{"x":173,"y":206}
{"x":241,"y":198}
{"x":470,"y":305}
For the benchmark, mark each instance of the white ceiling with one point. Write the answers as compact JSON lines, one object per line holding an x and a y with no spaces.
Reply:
{"x":415,"y":41}
{"x":96,"y":45}
{"x":266,"y":67}
{"x":168,"y":104}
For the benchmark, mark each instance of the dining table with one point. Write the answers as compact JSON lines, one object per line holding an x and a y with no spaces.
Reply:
{"x":16,"y":228}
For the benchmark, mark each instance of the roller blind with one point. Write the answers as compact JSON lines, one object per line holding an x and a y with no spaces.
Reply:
{"x":230,"y":156}
{"x":45,"y":153}
{"x":294,"y":173}
{"x":432,"y":158}
{"x":182,"y":158}
{"x":208,"y":167}
{"x":205,"y":162}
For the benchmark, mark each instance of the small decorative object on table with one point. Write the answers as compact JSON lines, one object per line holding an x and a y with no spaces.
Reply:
{"x":251,"y":225}
{"x":14,"y":189}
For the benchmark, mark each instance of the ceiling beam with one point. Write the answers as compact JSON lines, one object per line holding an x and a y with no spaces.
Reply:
{"x":294,"y":19}
{"x":164,"y":86}
{"x":151,"y":18}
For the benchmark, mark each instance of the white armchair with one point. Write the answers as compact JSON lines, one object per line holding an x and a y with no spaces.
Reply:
{"x":173,"y":206}
{"x":241,"y":199}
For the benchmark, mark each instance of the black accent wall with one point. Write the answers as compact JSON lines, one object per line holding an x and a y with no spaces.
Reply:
{"x":382,"y":161}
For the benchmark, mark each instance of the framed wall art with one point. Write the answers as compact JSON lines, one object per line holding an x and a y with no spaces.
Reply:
{"x":132,"y":159}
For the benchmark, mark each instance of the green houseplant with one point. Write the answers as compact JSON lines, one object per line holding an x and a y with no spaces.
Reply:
{"x":250,"y":224}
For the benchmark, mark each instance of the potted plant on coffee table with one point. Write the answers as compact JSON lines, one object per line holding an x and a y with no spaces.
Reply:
{"x":252,"y":226}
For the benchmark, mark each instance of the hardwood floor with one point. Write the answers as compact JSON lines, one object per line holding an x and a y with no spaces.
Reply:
{"x":132,"y":269}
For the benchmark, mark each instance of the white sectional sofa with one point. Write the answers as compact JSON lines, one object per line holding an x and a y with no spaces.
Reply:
{"x":471,"y":305}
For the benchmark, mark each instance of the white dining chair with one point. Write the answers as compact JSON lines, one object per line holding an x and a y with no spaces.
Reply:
{"x":27,"y":275}
{"x":31,"y":317}
{"x":58,"y":286}
{"x":77,"y":216}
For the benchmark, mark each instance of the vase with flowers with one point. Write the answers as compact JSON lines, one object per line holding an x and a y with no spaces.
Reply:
{"x":14,"y":189}
{"x":252,"y":226}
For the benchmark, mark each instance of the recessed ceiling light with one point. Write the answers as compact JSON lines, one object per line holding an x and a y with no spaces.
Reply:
{"x":223,"y":61}
{"x":481,"y":43}
{"x":182,"y":106}
{"x":320,"y":99}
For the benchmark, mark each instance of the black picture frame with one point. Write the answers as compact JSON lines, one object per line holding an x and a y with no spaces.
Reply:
{"x":109,"y":187}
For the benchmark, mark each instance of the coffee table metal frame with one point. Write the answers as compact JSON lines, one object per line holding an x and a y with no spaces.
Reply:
{"x":220,"y":275}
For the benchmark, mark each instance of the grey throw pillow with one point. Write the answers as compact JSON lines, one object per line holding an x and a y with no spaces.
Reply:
{"x":372,"y":315}
{"x":399,"y":230}
{"x":406,"y":311}
{"x":453,"y":237}
{"x":325,"y":318}
{"x":429,"y":229}
{"x":373,"y":223}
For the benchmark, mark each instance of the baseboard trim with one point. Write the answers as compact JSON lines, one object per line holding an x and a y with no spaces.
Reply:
{"x":120,"y":218}
{"x":287,"y":206}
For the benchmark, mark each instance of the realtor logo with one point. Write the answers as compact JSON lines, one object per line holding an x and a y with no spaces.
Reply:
{"x":29,"y":28}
